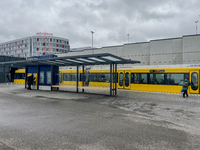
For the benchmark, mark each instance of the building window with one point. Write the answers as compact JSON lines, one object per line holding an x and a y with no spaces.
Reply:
{"x":57,"y":40}
{"x":57,"y":50}
{"x":43,"y":39}
{"x":43,"y":44}
{"x":50,"y":40}
{"x":50,"y":44}
{"x":43,"y":53}
{"x":50,"y":49}
{"x":43,"y":49}
{"x":37,"y":49}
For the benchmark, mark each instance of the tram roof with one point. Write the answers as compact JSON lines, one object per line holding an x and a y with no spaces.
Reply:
{"x":93,"y":59}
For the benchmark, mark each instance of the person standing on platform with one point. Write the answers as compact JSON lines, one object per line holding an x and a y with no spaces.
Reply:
{"x":30,"y":81}
{"x":186,"y":84}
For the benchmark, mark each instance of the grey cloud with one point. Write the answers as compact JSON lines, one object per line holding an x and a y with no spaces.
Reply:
{"x":110,"y":20}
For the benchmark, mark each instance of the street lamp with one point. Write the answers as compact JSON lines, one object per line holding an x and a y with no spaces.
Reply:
{"x":92,"y":41}
{"x":128,"y":37}
{"x":196,"y":25}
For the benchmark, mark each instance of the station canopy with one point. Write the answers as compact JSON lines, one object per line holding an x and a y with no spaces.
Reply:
{"x":93,"y":59}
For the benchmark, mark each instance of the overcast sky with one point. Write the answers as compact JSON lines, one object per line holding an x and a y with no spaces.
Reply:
{"x":110,"y":20}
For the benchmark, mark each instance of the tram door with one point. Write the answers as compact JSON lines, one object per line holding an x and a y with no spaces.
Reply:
{"x":124,"y":78}
{"x":194,"y":79}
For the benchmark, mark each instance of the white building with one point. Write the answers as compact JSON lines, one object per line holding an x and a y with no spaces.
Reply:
{"x":39,"y":45}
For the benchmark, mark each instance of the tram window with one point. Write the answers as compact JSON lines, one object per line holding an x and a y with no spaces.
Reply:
{"x":73,"y":77}
{"x":156,"y":78}
{"x":174,"y":78}
{"x":100,"y":77}
{"x":194,"y":81}
{"x":66,"y":77}
{"x":21,"y":76}
{"x":140,"y":78}
{"x":70,"y":77}
{"x":107,"y":77}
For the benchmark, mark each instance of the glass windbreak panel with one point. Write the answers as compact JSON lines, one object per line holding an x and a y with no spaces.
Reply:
{"x":42,"y":77}
{"x":16,"y":76}
{"x":140,"y":78}
{"x":174,"y":78}
{"x":60,"y":77}
{"x":127,"y":79}
{"x":34,"y":78}
{"x":49,"y":77}
{"x":194,"y":81}
{"x":121,"y":76}
{"x":156,"y":78}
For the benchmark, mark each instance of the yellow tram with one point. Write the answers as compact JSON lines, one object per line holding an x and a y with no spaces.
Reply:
{"x":139,"y":79}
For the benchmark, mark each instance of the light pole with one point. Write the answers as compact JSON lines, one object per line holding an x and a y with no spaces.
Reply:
{"x":128,"y":38}
{"x":92,"y":42}
{"x":196,"y":25}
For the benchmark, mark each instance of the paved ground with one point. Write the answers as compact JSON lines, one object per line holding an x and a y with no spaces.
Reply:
{"x":31,"y":119}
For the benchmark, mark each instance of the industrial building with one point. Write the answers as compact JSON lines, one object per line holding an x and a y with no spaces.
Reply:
{"x":171,"y":51}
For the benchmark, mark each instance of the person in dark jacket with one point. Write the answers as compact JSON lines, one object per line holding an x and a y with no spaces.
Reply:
{"x":30,"y":81}
{"x":9,"y":78}
{"x":185,"y":88}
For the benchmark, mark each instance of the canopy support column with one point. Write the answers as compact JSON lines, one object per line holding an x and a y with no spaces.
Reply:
{"x":25,"y":76}
{"x":116,"y":79}
{"x":38,"y":75}
{"x":51,"y":76}
{"x":83,"y":77}
{"x":77,"y":79}
{"x":110,"y":79}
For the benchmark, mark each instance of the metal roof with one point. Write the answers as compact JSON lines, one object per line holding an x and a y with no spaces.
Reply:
{"x":94,"y":59}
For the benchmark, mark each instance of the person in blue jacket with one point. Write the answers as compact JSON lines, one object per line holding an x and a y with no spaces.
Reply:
{"x":186,"y":84}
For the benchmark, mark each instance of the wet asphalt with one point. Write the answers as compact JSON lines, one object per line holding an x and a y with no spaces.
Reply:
{"x":44,"y":120}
